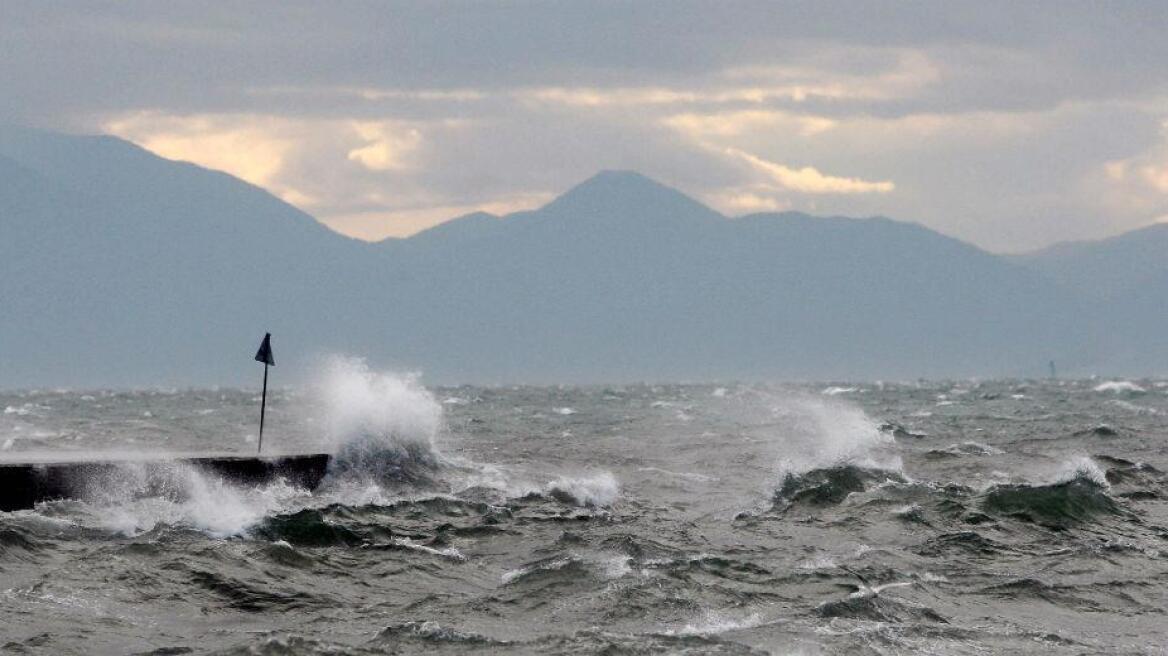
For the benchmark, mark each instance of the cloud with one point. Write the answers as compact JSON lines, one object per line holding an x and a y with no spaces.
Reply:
{"x":999,"y":127}
{"x":388,"y":145}
{"x":700,"y":127}
{"x":747,"y":200}
{"x":376,"y":225}
{"x":252,"y":148}
{"x":809,"y":180}
{"x":1136,"y":186}
{"x":368,"y":179}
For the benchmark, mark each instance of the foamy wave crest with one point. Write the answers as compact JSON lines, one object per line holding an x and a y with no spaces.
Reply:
{"x":139,"y":497}
{"x":596,"y":491}
{"x":716,"y":622}
{"x":814,"y":433}
{"x":1120,"y":387}
{"x":381,"y":426}
{"x":1078,"y":494}
{"x":1081,"y":467}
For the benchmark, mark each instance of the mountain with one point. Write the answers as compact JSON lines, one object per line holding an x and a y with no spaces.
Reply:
{"x":1125,"y":279}
{"x":1108,"y":267}
{"x":123,"y":268}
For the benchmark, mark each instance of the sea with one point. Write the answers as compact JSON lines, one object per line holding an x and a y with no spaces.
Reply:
{"x":911,"y":517}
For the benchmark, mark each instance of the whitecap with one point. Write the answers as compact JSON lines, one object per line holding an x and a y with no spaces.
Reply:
{"x":1120,"y":387}
{"x":715,"y":622}
{"x":836,"y":391}
{"x":597,"y":490}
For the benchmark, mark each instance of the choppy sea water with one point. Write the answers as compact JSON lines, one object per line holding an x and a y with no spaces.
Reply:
{"x":994,"y":517}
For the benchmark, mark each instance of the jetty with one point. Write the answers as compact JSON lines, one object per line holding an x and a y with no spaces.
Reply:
{"x":31,"y":481}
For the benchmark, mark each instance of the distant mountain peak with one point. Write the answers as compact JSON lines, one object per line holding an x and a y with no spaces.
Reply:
{"x":622,"y":194}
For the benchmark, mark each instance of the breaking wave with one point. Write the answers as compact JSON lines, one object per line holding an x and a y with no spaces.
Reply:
{"x":815,"y":433}
{"x":830,"y":485}
{"x":381,"y":427}
{"x":825,"y":448}
{"x":135,"y":498}
{"x":599,"y":490}
{"x":1120,"y":387}
{"x":1078,"y":496}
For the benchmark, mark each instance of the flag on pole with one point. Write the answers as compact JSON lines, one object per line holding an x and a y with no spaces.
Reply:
{"x":265,"y":353}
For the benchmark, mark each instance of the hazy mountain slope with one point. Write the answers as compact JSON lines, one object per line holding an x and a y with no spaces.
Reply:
{"x":1126,"y":279}
{"x":134,"y":269}
{"x":1106,"y":267}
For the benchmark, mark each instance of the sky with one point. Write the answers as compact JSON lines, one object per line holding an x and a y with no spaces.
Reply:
{"x":1009,"y":125}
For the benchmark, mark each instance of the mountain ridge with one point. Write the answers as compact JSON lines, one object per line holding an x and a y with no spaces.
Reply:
{"x":618,"y":279}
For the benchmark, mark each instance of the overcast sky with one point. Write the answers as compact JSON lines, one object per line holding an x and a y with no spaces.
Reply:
{"x":1010,"y":125}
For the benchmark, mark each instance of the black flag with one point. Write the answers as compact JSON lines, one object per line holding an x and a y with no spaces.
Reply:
{"x":265,"y":353}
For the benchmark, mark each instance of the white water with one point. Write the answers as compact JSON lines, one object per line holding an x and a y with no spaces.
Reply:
{"x":597,"y":490}
{"x":1120,"y":387}
{"x":814,"y":432}
{"x":370,"y":414}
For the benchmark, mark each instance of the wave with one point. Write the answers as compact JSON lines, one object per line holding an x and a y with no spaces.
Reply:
{"x":252,"y":597}
{"x":134,"y":498}
{"x":1102,"y":430}
{"x":596,"y":491}
{"x":964,"y":449}
{"x":381,"y":427}
{"x":17,"y":544}
{"x":715,"y":622}
{"x":308,"y":528}
{"x":870,"y":605}
{"x":430,"y":636}
{"x":900,"y":432}
{"x":570,"y":567}
{"x":1132,"y":480}
{"x":830,"y":485}
{"x":1120,"y":387}
{"x":1061,"y":505}
{"x":432,"y":632}
{"x":968,"y":543}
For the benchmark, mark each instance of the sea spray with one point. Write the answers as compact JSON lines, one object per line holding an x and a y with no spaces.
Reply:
{"x":819,"y":448}
{"x":384,"y":428}
{"x":595,"y":491}
{"x":140,"y":497}
{"x":805,"y":432}
{"x":381,"y":427}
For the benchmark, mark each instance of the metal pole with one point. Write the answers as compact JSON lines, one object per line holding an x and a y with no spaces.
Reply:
{"x":263,"y":409}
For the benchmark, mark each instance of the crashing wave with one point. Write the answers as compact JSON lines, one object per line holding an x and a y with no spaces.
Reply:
{"x":597,"y":491}
{"x":830,"y":485}
{"x":382,"y":427}
{"x":1058,"y":505}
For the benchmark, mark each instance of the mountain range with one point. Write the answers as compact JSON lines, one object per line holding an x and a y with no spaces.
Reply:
{"x":121,"y":268}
